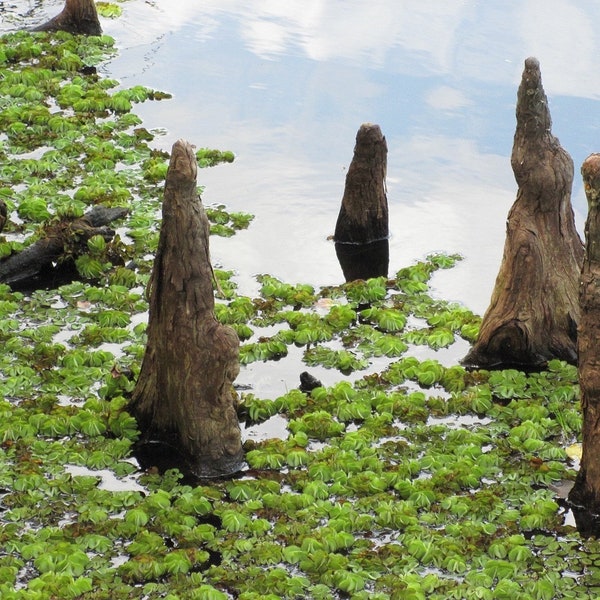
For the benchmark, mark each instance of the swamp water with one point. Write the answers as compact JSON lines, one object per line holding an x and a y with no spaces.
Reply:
{"x":286,"y":90}
{"x":286,"y":87}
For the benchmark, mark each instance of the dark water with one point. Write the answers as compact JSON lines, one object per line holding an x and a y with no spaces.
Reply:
{"x":286,"y":85}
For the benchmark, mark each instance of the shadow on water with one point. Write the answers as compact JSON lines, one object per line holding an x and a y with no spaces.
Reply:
{"x":49,"y":278}
{"x":584,"y":513}
{"x":574,"y":511}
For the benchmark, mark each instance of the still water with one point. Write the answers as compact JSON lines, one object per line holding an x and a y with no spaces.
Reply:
{"x":286,"y":85}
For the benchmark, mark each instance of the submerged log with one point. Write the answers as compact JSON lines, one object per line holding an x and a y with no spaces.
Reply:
{"x":585,"y":494}
{"x":62,"y":240}
{"x":77,"y":17}
{"x":361,"y":231}
{"x":534,"y":309}
{"x":184,"y":398}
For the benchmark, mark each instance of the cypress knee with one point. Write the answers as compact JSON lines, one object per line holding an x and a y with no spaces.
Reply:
{"x":586,"y":491}
{"x":77,"y":17}
{"x":184,"y":397}
{"x":534,"y":309}
{"x":361,"y":232}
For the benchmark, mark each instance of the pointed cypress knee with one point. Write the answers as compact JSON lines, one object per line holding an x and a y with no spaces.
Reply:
{"x":534,"y":309}
{"x":77,"y":17}
{"x":361,"y":232}
{"x":585,"y":494}
{"x":184,"y":398}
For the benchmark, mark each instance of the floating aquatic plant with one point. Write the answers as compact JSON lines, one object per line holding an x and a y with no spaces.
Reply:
{"x":411,"y":479}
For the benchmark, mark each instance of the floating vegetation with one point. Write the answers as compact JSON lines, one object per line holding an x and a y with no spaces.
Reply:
{"x":108,"y":10}
{"x":406,"y":479}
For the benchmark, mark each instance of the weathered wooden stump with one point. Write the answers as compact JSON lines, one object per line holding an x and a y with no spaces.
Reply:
{"x":586,"y":491}
{"x":33,"y":267}
{"x":534,"y":309}
{"x":361,"y":231}
{"x":184,"y":396}
{"x":77,"y":17}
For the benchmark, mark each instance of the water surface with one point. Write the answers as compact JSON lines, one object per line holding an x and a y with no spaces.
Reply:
{"x":286,"y":85}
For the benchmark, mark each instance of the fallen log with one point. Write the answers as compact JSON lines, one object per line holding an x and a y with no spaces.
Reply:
{"x":77,"y":17}
{"x":585,"y":494}
{"x":184,"y":399}
{"x":62,"y":240}
{"x":534,"y":308}
{"x":362,"y":230}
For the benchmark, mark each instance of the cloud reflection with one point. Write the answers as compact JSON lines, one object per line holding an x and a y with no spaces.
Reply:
{"x":447,"y":98}
{"x":483,"y":40}
{"x":565,"y":39}
{"x":285,"y":85}
{"x":446,"y":196}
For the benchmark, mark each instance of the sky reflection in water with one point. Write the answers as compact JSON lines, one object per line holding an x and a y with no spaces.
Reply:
{"x":286,"y":85}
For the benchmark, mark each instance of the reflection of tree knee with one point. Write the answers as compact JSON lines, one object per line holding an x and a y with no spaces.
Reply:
{"x":363,"y":261}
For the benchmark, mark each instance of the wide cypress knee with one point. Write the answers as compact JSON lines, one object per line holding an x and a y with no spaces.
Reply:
{"x":534,"y":310}
{"x":77,"y":17}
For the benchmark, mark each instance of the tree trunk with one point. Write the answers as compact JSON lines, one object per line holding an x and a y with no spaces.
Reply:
{"x":184,"y":396}
{"x":586,"y":491}
{"x":32,"y":267}
{"x":361,"y":232}
{"x":78,"y":17}
{"x":534,"y":309}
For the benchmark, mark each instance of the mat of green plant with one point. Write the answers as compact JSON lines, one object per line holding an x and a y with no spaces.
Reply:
{"x":415,"y":480}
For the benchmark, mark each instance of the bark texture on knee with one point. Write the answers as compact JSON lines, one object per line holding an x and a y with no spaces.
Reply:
{"x":361,"y":232}
{"x":78,"y":17}
{"x":586,"y":491}
{"x":184,"y":395}
{"x":534,"y":309}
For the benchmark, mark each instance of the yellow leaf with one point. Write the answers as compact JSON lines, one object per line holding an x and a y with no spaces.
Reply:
{"x":574,"y":451}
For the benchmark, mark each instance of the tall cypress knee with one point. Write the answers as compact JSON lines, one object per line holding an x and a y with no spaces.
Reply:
{"x":184,"y":395}
{"x":534,"y":309}
{"x":586,"y":491}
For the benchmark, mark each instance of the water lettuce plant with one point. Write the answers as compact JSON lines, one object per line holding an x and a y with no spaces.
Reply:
{"x":408,"y":478}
